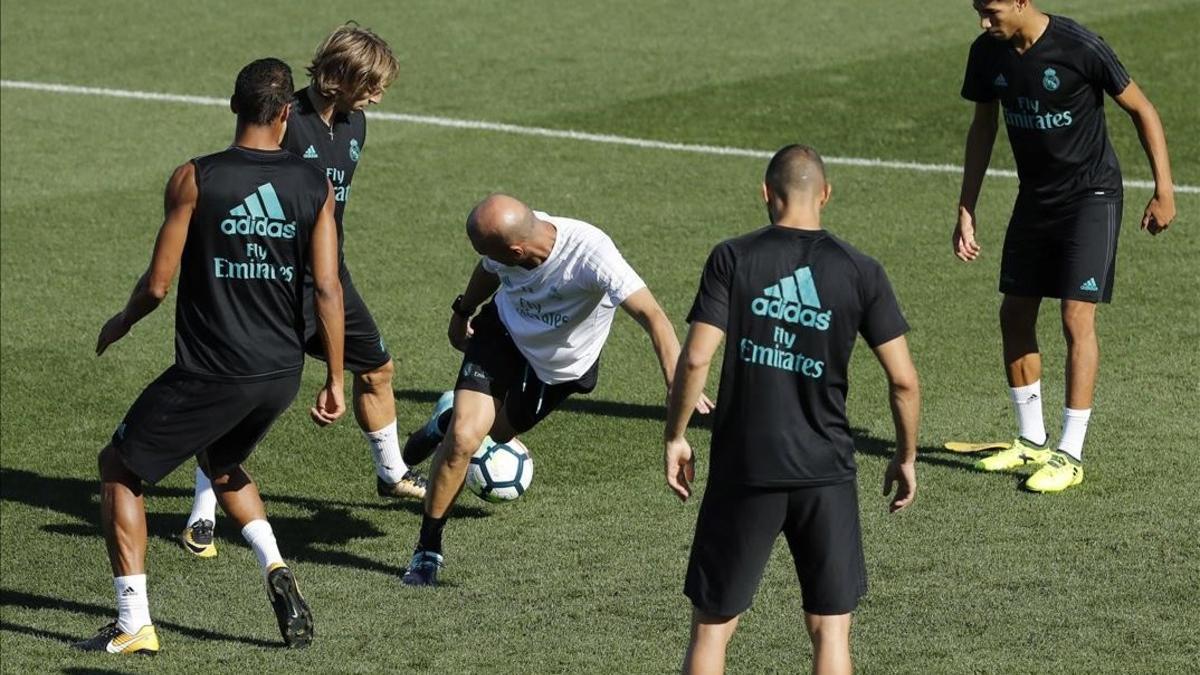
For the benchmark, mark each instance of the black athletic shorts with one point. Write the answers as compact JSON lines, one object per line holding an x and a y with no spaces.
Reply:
{"x":737,"y":529}
{"x":181,"y":415}
{"x":364,"y":349}
{"x":493,"y":365}
{"x":1065,"y":252}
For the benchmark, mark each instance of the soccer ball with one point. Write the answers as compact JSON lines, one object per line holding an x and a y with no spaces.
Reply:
{"x":500,"y":472}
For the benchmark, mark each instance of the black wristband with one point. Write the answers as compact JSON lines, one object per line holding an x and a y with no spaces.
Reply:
{"x":458,"y":309}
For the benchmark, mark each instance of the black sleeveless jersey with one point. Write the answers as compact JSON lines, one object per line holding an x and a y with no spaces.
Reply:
{"x":333,"y":148}
{"x":238,"y":314}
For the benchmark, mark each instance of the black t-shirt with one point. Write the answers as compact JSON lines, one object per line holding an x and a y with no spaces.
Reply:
{"x":238,"y":312}
{"x":791,"y":303}
{"x":1052,"y":98}
{"x":333,"y":148}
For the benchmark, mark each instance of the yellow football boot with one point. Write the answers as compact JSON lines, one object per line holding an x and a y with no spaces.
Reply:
{"x":113,"y":640}
{"x":1021,"y":453}
{"x":1060,"y":472}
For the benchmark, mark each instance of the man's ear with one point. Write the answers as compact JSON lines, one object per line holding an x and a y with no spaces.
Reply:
{"x":766,"y":193}
{"x":232,"y":106}
{"x":826,"y":193}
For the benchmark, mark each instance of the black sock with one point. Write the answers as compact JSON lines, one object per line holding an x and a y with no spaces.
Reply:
{"x":431,"y":533}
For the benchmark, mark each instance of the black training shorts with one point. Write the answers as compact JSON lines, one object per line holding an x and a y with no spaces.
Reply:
{"x":364,"y":350}
{"x":1067,"y":252}
{"x":493,"y":365}
{"x":181,"y":415}
{"x":737,"y":529}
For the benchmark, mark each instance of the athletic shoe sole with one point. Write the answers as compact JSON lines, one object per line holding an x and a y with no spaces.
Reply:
{"x":294,"y":617}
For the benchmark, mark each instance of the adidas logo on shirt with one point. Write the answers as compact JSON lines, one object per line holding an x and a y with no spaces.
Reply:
{"x":794,"y":300}
{"x":310,"y":153}
{"x":261,"y":214}
{"x":999,"y":82}
{"x":1090,"y":285}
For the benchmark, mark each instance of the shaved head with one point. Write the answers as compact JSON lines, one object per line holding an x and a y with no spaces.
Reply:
{"x":500,"y":219}
{"x":796,"y":171}
{"x":504,"y":229}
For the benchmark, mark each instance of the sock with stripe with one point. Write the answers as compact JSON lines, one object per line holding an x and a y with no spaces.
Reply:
{"x":385,"y":450}
{"x":133,"y":608}
{"x":1027,"y":401}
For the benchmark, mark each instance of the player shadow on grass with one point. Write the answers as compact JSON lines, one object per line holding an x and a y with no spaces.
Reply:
{"x":20,"y":599}
{"x":312,"y":539}
{"x":577,"y":404}
{"x":866,"y":444}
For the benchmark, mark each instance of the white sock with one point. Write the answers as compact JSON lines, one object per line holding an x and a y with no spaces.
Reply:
{"x":1027,"y":401}
{"x":261,"y":538}
{"x":204,"y":503}
{"x":133,"y":608}
{"x":1075,"y":424}
{"x":385,"y":450}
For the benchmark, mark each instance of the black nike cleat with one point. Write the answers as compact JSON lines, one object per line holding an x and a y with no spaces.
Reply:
{"x":294,"y":617}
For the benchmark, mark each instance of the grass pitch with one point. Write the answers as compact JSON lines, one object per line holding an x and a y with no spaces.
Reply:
{"x":584,"y":573}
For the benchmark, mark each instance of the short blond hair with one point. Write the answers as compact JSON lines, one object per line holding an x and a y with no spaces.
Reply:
{"x":352,"y":62}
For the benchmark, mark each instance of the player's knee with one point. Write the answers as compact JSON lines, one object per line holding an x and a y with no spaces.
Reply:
{"x":464,"y":440}
{"x":1018,"y":315}
{"x":828,"y":629}
{"x":1078,"y":322}
{"x":377,"y":378}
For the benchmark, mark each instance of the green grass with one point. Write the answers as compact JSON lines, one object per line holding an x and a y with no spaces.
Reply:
{"x":584,"y":573}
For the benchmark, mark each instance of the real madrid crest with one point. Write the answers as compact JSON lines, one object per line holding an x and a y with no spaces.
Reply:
{"x":1049,"y":80}
{"x":354,"y":145}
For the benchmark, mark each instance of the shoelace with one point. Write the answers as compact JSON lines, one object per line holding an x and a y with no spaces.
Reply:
{"x":201,"y":529}
{"x":425,"y":561}
{"x":416,"y":479}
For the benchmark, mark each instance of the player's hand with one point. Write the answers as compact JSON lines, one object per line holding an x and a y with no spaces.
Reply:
{"x":966,"y":248}
{"x":460,"y":331}
{"x":1159,"y":213}
{"x":114,"y":329}
{"x":680,"y":467}
{"x":904,"y":476}
{"x":705,"y":405}
{"x":330,"y":405}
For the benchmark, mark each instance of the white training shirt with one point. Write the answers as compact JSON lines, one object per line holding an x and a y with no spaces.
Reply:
{"x":560,"y":312}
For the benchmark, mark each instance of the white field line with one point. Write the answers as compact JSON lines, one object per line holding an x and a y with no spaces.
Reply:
{"x":546,"y":133}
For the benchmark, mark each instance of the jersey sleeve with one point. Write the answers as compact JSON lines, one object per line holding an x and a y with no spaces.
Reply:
{"x":1102,"y":66}
{"x":976,"y":85}
{"x":881,"y":318}
{"x":711,"y":305}
{"x":613,"y":274}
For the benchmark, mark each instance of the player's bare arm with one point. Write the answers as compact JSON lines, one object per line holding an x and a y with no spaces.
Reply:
{"x":480,"y":287}
{"x":981,"y":137}
{"x":151,"y":289}
{"x":644,"y":309}
{"x":905,"y":394}
{"x":327,"y":296}
{"x":1160,"y":211}
{"x":691,"y":372}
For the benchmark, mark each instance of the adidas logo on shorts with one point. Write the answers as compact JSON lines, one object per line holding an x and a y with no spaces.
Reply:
{"x":1090,"y":285}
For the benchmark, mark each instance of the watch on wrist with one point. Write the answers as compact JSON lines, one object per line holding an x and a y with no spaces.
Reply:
{"x":457,"y":308}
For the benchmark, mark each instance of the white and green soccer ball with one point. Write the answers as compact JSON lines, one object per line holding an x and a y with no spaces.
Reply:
{"x":500,"y":472}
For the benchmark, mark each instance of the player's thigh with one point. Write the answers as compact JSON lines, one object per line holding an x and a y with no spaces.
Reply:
{"x":492,"y":364}
{"x":529,"y":400}
{"x":1030,"y":254}
{"x":735,"y":532}
{"x":260,"y":404}
{"x":1088,"y":240}
{"x":825,"y":538}
{"x":173,"y":420}
{"x":364,"y":349}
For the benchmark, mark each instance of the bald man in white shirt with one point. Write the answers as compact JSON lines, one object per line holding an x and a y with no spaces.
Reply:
{"x":554,"y":284}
